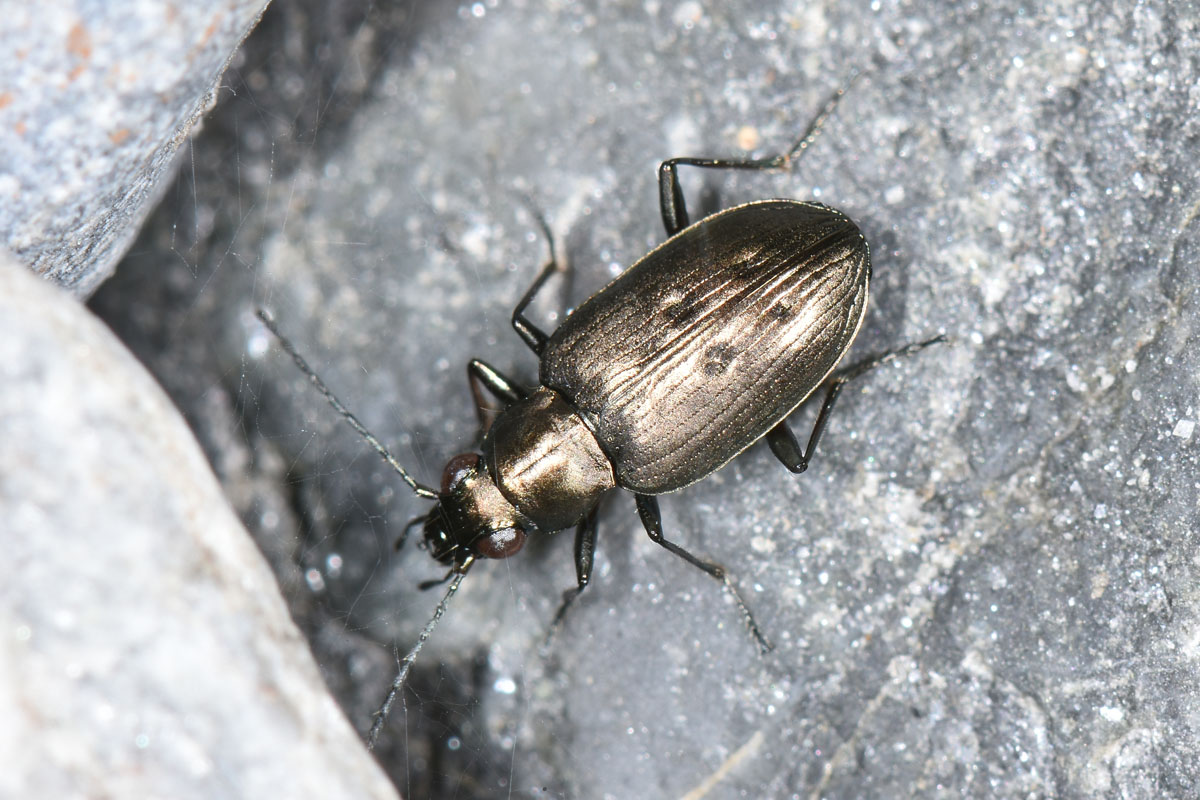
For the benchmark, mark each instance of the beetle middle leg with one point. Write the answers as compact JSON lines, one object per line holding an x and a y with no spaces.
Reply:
{"x":783,"y":442}
{"x":647,"y":506}
{"x":585,"y":552}
{"x":670,"y":194}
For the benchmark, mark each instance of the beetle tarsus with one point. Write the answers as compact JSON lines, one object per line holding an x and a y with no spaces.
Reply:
{"x":670,"y":193}
{"x":814,"y":128}
{"x":425,"y":586}
{"x":764,"y":644}
{"x":568,"y":599}
{"x":871,"y":362}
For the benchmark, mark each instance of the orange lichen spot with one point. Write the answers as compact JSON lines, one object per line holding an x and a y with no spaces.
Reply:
{"x":20,"y":128}
{"x":212,"y":28}
{"x":119,"y":135}
{"x":748,"y":138}
{"x":79,"y":43}
{"x":6,"y":99}
{"x":206,"y":37}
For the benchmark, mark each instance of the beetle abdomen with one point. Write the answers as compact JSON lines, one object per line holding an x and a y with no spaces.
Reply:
{"x":707,"y":342}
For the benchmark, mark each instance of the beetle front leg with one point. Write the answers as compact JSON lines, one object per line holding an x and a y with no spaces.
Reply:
{"x":670,"y":194}
{"x":647,"y":506}
{"x":780,"y":438}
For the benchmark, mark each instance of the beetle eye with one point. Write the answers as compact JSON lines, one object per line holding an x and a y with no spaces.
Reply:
{"x":457,"y":469}
{"x":501,"y":544}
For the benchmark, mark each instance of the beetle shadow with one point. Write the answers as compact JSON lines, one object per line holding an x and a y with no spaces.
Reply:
{"x":710,"y":199}
{"x":884,"y":326}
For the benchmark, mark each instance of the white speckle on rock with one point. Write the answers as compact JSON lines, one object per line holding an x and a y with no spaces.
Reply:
{"x":762,"y":544}
{"x":687,"y":14}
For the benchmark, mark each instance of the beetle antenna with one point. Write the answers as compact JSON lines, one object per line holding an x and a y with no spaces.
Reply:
{"x":406,"y":663}
{"x":422,"y":491}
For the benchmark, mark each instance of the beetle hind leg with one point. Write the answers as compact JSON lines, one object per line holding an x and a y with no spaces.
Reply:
{"x":647,"y":506}
{"x":783,"y":442}
{"x":670,"y":194}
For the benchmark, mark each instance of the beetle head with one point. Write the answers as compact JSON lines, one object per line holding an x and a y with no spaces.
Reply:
{"x":472,"y":517}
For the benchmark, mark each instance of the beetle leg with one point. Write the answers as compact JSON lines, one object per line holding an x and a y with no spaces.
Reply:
{"x":501,"y":387}
{"x":482,"y":375}
{"x":647,"y":506}
{"x":780,"y":438}
{"x":783,"y":442}
{"x":871,"y":362}
{"x":531,"y":334}
{"x":585,"y":551}
{"x":670,"y":195}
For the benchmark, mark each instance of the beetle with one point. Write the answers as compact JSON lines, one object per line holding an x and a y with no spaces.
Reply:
{"x":704,"y":346}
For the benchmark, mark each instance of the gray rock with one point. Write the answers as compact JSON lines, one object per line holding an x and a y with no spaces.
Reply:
{"x":96,"y":99}
{"x":145,"y":649}
{"x":986,"y":583}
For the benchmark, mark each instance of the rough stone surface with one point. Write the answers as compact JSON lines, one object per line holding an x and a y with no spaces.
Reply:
{"x":144,"y":648}
{"x":96,"y":99}
{"x":985,"y":585}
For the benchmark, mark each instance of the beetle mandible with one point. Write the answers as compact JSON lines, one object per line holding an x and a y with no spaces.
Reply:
{"x":702,"y":347}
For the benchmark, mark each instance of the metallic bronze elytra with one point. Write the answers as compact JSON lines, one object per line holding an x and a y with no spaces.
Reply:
{"x":708,"y":342}
{"x":698,"y":350}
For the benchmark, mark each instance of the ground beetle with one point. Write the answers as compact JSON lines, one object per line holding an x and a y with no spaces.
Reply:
{"x":695,"y":352}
